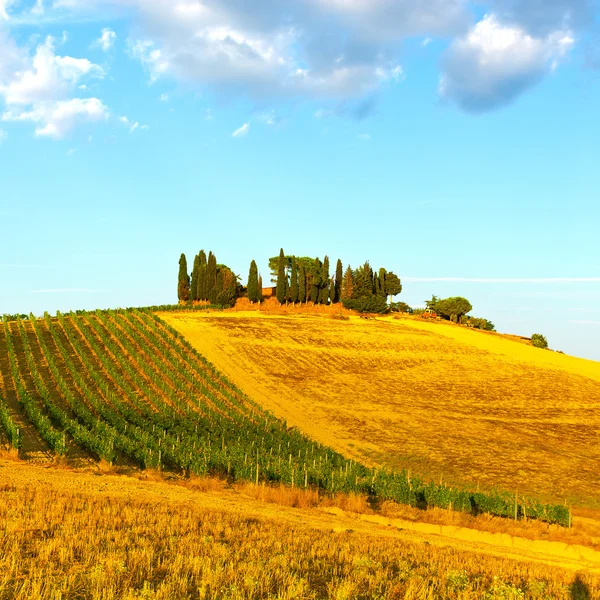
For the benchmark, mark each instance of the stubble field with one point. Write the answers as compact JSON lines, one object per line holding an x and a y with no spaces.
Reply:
{"x":446,"y":402}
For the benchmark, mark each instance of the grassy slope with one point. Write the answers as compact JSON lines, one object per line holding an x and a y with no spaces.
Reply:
{"x":446,"y":401}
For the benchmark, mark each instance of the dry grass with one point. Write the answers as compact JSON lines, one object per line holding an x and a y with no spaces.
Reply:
{"x":441,"y":400}
{"x":74,"y":535}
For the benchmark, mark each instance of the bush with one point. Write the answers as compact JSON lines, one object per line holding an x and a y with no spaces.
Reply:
{"x":366,"y":304}
{"x":539,"y":341}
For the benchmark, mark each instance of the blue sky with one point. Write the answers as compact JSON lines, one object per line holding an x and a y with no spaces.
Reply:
{"x":455,"y":144}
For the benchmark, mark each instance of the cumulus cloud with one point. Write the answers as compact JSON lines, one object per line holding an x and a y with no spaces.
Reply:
{"x":39,"y":88}
{"x":106,"y":40}
{"x":55,"y":119}
{"x":494,"y":63}
{"x":242,"y":131}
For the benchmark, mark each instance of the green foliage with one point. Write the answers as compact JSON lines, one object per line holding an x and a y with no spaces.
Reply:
{"x":194,"y":284}
{"x":339,"y":276}
{"x":183,"y":282}
{"x":446,"y":308}
{"x":367,"y":304}
{"x":347,"y":285}
{"x":253,"y":292}
{"x":202,"y":265}
{"x":211,"y":279}
{"x":301,"y":283}
{"x":539,"y":341}
{"x":478,"y":323}
{"x":400,"y":307}
{"x":294,"y":292}
{"x":315,"y":279}
{"x":282,"y":283}
{"x":393,"y":286}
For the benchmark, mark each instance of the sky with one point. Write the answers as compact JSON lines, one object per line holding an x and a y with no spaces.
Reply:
{"x":455,"y":143}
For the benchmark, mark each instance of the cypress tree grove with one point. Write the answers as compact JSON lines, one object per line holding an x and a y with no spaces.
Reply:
{"x":324,"y":293}
{"x":302,"y":284}
{"x":281,"y":290}
{"x":253,"y":292}
{"x":183,"y":283}
{"x":294,"y":282}
{"x":201,"y":294}
{"x":332,"y":289}
{"x":339,"y":275}
{"x":194,"y":288}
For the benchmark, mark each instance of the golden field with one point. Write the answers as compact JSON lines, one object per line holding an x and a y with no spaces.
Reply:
{"x":445,"y":401}
{"x":68,"y":535}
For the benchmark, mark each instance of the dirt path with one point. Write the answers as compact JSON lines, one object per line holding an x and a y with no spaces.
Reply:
{"x":334,"y":520}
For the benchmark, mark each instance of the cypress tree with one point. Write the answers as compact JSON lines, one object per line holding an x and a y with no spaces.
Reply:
{"x":347,"y":285}
{"x":315,"y":288}
{"x":194,"y":289}
{"x":281,"y":290}
{"x":332,"y":289}
{"x":211,"y":278}
{"x":302,"y":284}
{"x":338,"y":282}
{"x":260,"y":288}
{"x":294,"y":283}
{"x":253,"y":292}
{"x":324,"y":293}
{"x":183,"y":283}
{"x":201,"y":294}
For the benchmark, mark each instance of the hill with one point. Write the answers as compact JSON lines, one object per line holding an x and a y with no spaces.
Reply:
{"x":466,"y":406}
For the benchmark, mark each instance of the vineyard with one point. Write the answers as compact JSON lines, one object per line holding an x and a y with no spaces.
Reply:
{"x":125,"y":388}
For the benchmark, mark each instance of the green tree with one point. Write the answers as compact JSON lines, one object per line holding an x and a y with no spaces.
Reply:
{"x":324,"y":287}
{"x":294,"y":295}
{"x":363,"y":281}
{"x":201,"y":294}
{"x":183,"y":283}
{"x":194,"y":287}
{"x":253,"y":291}
{"x":348,"y":284}
{"x":539,"y":341}
{"x":302,"y":283}
{"x":456,"y":307}
{"x":315,"y":287}
{"x":339,"y":276}
{"x":281,"y":290}
{"x":260,"y":288}
{"x":393,"y":285}
{"x":211,"y":278}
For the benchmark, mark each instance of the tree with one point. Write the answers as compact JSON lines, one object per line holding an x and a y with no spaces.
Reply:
{"x":315,"y":287}
{"x":281,"y":290}
{"x":393,"y":286}
{"x":339,"y":276}
{"x":201,"y":294}
{"x":324,"y":287}
{"x":183,"y":284}
{"x":363,"y":281}
{"x":347,"y":285}
{"x":194,"y":287}
{"x":432,"y":304}
{"x":400,"y":307}
{"x":539,"y":341}
{"x":294,"y":281}
{"x":211,"y":278}
{"x":456,"y":307}
{"x":253,"y":292}
{"x":260,"y":288}
{"x":302,"y":283}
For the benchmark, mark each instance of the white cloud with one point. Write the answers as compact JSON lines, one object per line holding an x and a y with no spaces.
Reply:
{"x":71,"y":151}
{"x":242,"y":131}
{"x":56,"y":119}
{"x":3,"y":135}
{"x":39,"y":89}
{"x":49,"y":77}
{"x":38,"y":8}
{"x":106,"y":40}
{"x":426,"y":42}
{"x":132,"y":125}
{"x":163,"y":98}
{"x":494,"y":63}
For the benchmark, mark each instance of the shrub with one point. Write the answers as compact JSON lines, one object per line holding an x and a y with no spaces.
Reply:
{"x":539,"y":341}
